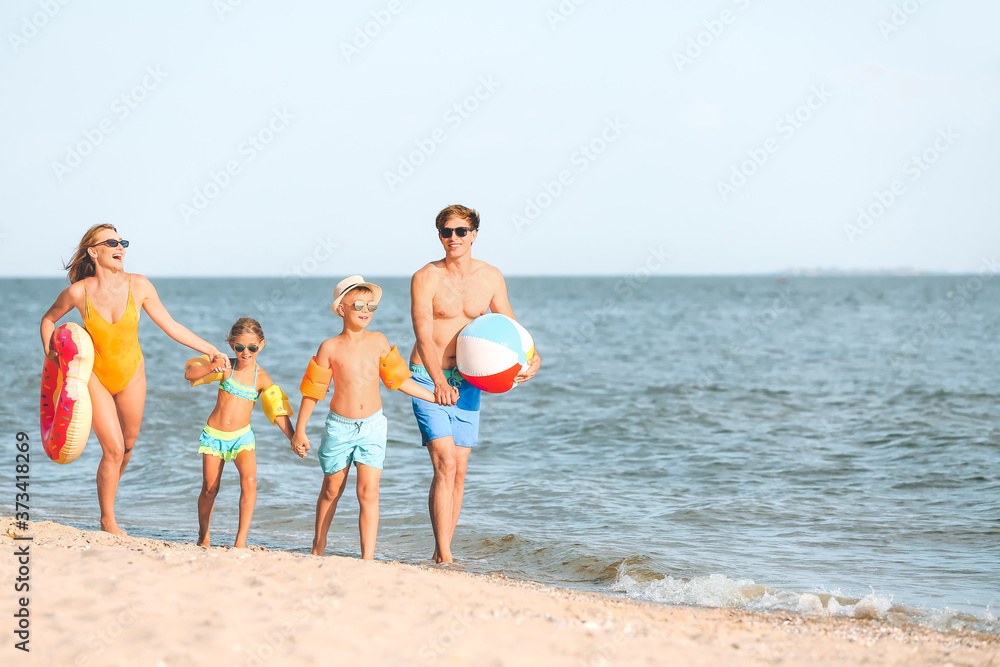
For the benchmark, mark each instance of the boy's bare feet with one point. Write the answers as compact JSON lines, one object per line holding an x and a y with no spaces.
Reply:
{"x":111,"y":526}
{"x":204,"y":540}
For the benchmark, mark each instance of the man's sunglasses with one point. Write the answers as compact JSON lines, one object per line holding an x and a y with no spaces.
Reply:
{"x":112,"y":243}
{"x":239,"y":347}
{"x":360,"y":305}
{"x":461,"y":231}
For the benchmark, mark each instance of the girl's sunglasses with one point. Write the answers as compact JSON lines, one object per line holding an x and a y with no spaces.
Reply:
{"x":461,"y":231}
{"x":112,"y":243}
{"x":239,"y":347}
{"x":360,"y":305}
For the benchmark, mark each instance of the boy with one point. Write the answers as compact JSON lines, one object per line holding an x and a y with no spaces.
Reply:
{"x":355,"y":426}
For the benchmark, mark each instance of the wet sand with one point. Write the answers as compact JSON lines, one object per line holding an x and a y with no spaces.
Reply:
{"x":97,"y":599}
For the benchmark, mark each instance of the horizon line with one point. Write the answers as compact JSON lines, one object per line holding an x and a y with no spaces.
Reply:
{"x":793,"y":273}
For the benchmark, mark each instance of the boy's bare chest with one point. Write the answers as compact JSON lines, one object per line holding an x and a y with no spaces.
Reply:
{"x":356,"y":364}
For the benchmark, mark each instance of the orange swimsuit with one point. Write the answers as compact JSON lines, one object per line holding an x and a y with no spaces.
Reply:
{"x":117,"y":354}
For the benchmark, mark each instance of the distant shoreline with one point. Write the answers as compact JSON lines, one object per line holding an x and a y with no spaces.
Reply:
{"x":792,"y":273}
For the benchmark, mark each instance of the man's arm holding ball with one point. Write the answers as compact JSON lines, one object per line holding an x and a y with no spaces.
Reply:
{"x":501,"y":304}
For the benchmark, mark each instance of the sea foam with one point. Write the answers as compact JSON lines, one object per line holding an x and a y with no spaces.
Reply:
{"x":720,"y":591}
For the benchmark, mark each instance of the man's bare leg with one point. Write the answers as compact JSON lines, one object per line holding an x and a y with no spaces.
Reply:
{"x":458,"y":494}
{"x":447,"y":490}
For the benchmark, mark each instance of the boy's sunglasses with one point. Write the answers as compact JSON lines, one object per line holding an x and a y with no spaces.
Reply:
{"x":360,"y":305}
{"x":239,"y":347}
{"x":112,"y":243}
{"x":461,"y":231}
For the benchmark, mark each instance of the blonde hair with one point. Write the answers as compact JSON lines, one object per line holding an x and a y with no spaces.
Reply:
{"x":82,"y":265}
{"x":245,"y":325}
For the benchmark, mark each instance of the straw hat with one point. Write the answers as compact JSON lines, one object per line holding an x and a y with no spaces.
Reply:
{"x":349,"y":283}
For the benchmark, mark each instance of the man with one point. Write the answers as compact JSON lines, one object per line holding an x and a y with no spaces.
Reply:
{"x":445,"y":296}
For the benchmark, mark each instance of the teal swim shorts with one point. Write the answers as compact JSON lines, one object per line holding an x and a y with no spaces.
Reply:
{"x":353,"y":440}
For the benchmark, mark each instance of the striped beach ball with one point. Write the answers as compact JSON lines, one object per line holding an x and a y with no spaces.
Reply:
{"x":492,"y":349}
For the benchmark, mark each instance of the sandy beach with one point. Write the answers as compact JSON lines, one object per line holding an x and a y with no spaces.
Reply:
{"x":97,"y":599}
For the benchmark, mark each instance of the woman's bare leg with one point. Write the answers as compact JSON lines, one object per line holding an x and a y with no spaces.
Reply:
{"x":108,"y":430}
{"x":130,"y":403}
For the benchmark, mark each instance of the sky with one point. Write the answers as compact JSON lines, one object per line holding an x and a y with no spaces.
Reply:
{"x":251,"y":138}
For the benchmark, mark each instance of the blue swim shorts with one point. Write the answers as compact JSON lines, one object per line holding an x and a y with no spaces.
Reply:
{"x":357,"y":440}
{"x":226,"y":444}
{"x":460,"y":421}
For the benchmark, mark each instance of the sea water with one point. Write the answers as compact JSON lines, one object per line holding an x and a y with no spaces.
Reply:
{"x":804,"y":445}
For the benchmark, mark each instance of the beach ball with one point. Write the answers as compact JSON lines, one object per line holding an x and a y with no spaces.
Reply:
{"x":492,"y":349}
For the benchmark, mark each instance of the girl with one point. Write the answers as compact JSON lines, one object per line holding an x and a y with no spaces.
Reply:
{"x":109,"y":300}
{"x":228,"y":436}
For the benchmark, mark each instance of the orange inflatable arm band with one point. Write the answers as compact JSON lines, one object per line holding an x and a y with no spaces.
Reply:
{"x":202,"y":361}
{"x":393,"y":370}
{"x":316,"y":381}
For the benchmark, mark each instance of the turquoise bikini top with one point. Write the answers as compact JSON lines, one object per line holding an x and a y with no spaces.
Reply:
{"x":241,"y":390}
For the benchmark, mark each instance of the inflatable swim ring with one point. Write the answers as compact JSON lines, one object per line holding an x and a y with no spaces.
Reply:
{"x":66,"y":411}
{"x":492,"y":350}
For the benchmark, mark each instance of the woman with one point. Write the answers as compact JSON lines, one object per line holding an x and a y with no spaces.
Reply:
{"x":109,"y":301}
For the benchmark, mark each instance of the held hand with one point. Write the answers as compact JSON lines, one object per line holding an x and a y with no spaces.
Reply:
{"x":300,"y":445}
{"x":445,"y":394}
{"x":530,"y":371}
{"x":220,"y":361}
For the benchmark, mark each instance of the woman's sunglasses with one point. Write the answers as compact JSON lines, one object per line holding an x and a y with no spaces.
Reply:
{"x":112,"y":243}
{"x":461,"y":231}
{"x":360,"y":305}
{"x":239,"y":347}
